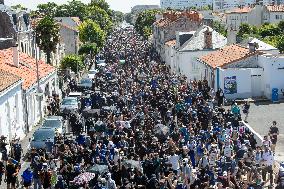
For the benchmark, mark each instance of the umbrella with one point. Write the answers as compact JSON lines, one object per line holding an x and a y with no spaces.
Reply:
{"x":131,"y":164}
{"x":90,"y":112}
{"x":83,"y":178}
{"x":161,"y":130}
{"x":101,"y":169}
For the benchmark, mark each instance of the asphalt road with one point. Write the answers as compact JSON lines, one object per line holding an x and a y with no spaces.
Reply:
{"x":260,"y":119}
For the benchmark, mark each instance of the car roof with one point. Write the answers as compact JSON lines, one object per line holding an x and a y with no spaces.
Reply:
{"x":45,"y":129}
{"x":71,"y":94}
{"x":70,"y":97}
{"x":54,"y":117}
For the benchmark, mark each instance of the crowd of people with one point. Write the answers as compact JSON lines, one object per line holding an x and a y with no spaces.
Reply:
{"x":153,"y":129}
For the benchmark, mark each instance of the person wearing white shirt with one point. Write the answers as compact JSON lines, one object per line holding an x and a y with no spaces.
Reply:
{"x":268,"y":160}
{"x":174,"y":160}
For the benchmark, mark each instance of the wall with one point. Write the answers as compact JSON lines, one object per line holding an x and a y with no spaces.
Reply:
{"x":276,"y":17}
{"x":70,"y":40}
{"x":243,"y":78}
{"x":189,"y":66}
{"x":11,"y":111}
{"x":250,"y":62}
{"x":273,"y":76}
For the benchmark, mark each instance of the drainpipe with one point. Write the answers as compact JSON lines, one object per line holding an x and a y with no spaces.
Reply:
{"x":26,"y":112}
{"x":218,"y":77}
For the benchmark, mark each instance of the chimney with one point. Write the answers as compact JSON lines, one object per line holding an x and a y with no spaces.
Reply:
{"x":15,"y":55}
{"x":252,"y":47}
{"x":2,"y":2}
{"x":208,"y":39}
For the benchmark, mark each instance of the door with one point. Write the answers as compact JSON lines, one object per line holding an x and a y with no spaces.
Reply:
{"x":256,"y":86}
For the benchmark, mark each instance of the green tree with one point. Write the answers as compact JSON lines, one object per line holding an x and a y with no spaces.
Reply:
{"x":269,"y":30}
{"x":220,"y":28}
{"x":47,"y":36}
{"x":90,"y":31}
{"x":281,"y":26}
{"x":88,"y":48}
{"x":100,"y":16}
{"x":47,"y":9}
{"x":102,"y":4}
{"x":144,"y":22}
{"x":244,"y":29}
{"x":73,"y":8}
{"x":280,"y":43}
{"x":18,"y":6}
{"x":118,"y":17}
{"x":74,"y":62}
{"x":128,"y":18}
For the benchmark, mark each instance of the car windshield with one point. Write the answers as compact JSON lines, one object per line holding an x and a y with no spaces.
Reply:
{"x":42,"y":135}
{"x":86,"y":81}
{"x":52,"y":123}
{"x":92,"y":72}
{"x":69,"y":101}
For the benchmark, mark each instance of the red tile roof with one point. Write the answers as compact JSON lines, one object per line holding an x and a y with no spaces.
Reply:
{"x":241,"y":10}
{"x":227,"y":55}
{"x":26,"y":69}
{"x":275,"y":8}
{"x":7,"y":79}
{"x":171,"y":43}
{"x":172,"y":16}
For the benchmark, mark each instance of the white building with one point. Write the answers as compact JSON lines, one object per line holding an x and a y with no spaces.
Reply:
{"x":184,"y":4}
{"x":254,"y":15}
{"x":245,"y":72}
{"x":182,"y":53}
{"x":11,"y":106}
{"x":223,"y":5}
{"x":24,"y":66}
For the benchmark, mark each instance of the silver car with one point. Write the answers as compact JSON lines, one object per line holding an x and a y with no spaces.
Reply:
{"x":55,"y":122}
{"x":41,"y":136}
{"x":69,"y":103}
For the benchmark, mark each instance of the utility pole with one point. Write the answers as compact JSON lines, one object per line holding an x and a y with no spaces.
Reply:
{"x":37,"y":75}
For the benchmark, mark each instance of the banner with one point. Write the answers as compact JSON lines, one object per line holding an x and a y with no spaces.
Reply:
{"x":230,"y":85}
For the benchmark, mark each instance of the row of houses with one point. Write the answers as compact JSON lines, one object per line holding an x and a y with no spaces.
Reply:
{"x":20,"y":107}
{"x":250,"y":69}
{"x":254,"y":15}
{"x":216,"y":5}
{"x":16,"y":27}
{"x":23,"y":90}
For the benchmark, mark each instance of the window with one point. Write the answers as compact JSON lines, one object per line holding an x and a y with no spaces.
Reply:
{"x":277,"y":17}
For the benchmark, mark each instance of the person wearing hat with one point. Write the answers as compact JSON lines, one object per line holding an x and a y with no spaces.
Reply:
{"x":27,"y":178}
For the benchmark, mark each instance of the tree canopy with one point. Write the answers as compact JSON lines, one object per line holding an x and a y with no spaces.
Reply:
{"x":90,"y":32}
{"x":144,"y":22}
{"x":47,"y":36}
{"x":74,"y":62}
{"x":220,"y":28}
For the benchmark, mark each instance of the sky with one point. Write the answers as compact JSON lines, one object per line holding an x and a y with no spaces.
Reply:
{"x":120,"y":5}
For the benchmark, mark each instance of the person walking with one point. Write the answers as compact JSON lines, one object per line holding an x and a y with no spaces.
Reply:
{"x":246,"y":108}
{"x":11,"y":174}
{"x":27,"y":178}
{"x":273,"y":133}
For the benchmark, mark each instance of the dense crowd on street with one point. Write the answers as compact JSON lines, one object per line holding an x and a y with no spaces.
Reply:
{"x":144,"y":127}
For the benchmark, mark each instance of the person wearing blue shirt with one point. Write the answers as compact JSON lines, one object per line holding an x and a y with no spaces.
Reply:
{"x":27,"y":177}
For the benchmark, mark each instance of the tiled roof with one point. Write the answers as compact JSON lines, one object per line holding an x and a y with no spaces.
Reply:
{"x":241,"y":10}
{"x":227,"y":55}
{"x":26,"y":69}
{"x":172,"y":16}
{"x":171,"y":43}
{"x":7,"y":79}
{"x":275,"y":8}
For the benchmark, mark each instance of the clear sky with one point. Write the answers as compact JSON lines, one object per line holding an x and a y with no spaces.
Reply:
{"x":121,"y":5}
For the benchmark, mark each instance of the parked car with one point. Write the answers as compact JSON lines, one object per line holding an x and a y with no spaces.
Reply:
{"x":92,"y":74}
{"x":41,"y":136}
{"x":85,"y":84}
{"x":69,"y":103}
{"x":55,"y":122}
